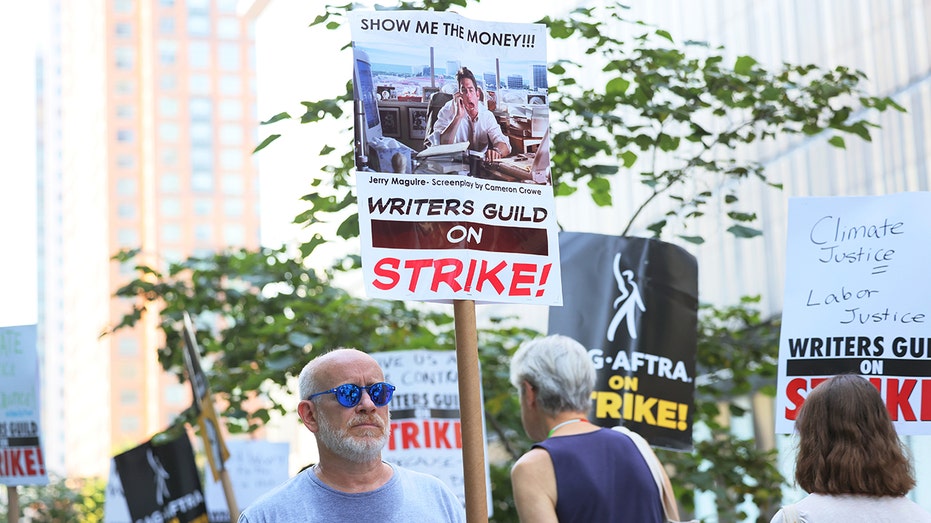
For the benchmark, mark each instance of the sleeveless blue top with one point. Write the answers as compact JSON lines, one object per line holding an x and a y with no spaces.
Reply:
{"x":601,"y":477}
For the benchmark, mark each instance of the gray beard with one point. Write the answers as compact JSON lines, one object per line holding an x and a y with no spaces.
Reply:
{"x":353,"y":448}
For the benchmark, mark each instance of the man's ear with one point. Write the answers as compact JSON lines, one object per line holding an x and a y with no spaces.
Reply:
{"x":307,"y":410}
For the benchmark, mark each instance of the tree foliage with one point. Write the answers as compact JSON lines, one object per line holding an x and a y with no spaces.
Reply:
{"x":674,"y":118}
{"x":60,"y":500}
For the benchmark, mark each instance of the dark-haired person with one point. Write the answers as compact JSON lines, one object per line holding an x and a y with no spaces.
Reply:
{"x":344,"y":402}
{"x":466,"y":119}
{"x":578,"y":472}
{"x":850,"y":459}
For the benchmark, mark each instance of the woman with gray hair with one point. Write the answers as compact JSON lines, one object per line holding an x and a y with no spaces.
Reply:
{"x":578,"y":471}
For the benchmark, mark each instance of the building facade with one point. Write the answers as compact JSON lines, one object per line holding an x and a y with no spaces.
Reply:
{"x":148,"y":126}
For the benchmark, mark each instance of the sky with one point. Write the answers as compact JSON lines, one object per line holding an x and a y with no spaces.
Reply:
{"x":17,"y":179}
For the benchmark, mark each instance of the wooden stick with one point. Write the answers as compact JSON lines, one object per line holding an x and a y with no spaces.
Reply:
{"x":230,"y":494}
{"x":470,"y":412}
{"x":12,"y":496}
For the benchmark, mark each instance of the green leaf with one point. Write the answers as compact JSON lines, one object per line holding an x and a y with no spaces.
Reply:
{"x":837,"y":141}
{"x":265,"y":143}
{"x":697,"y":240}
{"x":741,"y":231}
{"x":276,"y":118}
{"x":629,"y":157}
{"x":744,"y":65}
{"x":616,"y":86}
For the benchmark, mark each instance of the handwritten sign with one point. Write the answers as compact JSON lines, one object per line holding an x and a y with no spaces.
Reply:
{"x":21,"y":461}
{"x":426,"y":433}
{"x":856,"y":302}
{"x":255,"y":467}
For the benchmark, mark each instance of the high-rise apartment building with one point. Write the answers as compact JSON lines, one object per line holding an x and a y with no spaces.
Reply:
{"x":148,"y":123}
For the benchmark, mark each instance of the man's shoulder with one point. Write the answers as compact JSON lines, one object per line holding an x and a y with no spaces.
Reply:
{"x":274,"y":497}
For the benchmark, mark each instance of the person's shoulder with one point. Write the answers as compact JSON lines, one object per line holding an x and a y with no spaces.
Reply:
{"x":532,"y":461}
{"x":415,"y":476}
{"x":273,"y":497}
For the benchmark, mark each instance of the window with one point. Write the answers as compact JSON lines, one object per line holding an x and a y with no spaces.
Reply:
{"x":201,"y":134}
{"x":202,"y":181}
{"x":171,"y":233}
{"x":231,"y":110}
{"x":199,"y":84}
{"x":231,"y":159}
{"x":199,"y":55}
{"x":230,"y":85}
{"x":198,"y":24}
{"x":170,"y":183}
{"x":129,"y":423}
{"x":124,"y":87}
{"x":228,"y":28}
{"x":227,"y":6}
{"x":124,"y":135}
{"x":124,"y":30}
{"x":201,"y":109}
{"x":126,"y":211}
{"x":230,"y":134}
{"x":171,"y":207}
{"x":176,"y":394}
{"x":125,"y":57}
{"x":123,"y":6}
{"x":125,"y":112}
{"x":202,"y":159}
{"x":233,"y":184}
{"x":168,"y":131}
{"x":203,"y":233}
{"x":166,"y":25}
{"x":233,"y":207}
{"x":229,"y":57}
{"x":127,"y":238}
{"x":168,"y":82}
{"x":129,"y":397}
{"x":203,"y":206}
{"x":126,"y":186}
{"x":234,"y":234}
{"x":128,"y":347}
{"x":125,"y":161}
{"x":168,"y":106}
{"x":167,"y":52}
{"x":169,"y":156}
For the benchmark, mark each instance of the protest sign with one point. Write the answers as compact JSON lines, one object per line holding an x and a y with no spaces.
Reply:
{"x":633,"y":303}
{"x":161,"y":482}
{"x":214,"y":446}
{"x":254,"y":467}
{"x":115,"y":509}
{"x":856,"y":301}
{"x":426,"y":431}
{"x":21,"y":461}
{"x":443,"y":221}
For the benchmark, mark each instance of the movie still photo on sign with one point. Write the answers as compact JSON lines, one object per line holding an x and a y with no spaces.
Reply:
{"x":344,"y":402}
{"x":578,"y":471}
{"x":850,"y":459}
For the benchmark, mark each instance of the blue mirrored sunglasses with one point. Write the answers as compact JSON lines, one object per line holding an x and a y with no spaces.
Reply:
{"x":349,"y":395}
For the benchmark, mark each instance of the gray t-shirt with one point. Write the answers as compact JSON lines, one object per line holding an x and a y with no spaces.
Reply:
{"x":817,"y":508}
{"x":407,"y":497}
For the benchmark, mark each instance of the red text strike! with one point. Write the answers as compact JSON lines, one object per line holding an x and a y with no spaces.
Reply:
{"x":21,"y":462}
{"x":898,"y":393}
{"x":425,"y":434}
{"x":512,"y":279}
